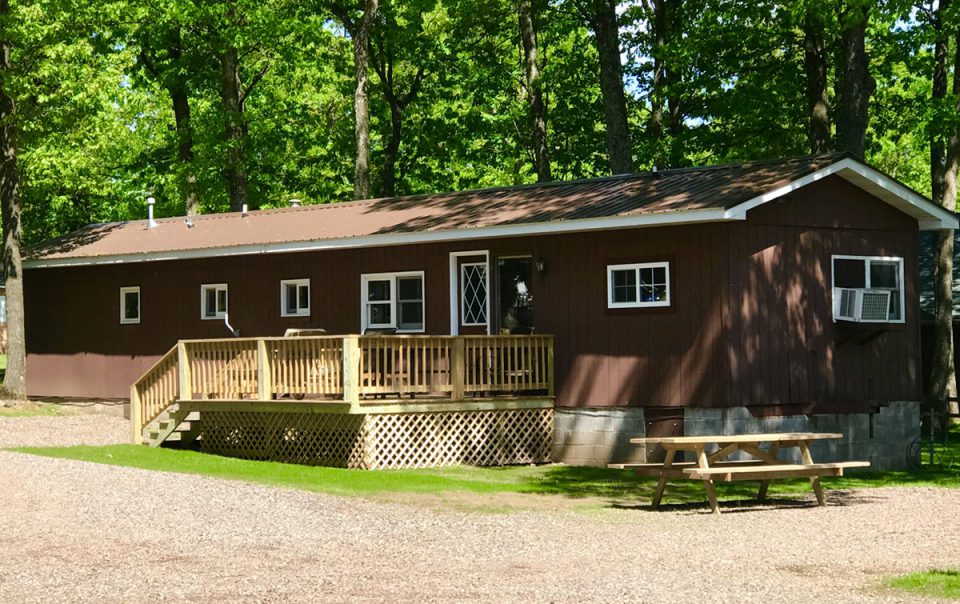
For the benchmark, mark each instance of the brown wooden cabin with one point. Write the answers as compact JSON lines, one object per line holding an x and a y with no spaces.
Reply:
{"x":679,"y":300}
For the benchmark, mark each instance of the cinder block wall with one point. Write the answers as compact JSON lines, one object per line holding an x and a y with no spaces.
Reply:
{"x":596,"y":437}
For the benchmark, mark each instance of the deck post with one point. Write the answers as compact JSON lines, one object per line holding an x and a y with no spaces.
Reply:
{"x":183,"y":371}
{"x":136,"y":416}
{"x":458,"y":367}
{"x":550,"y":366}
{"x":351,"y":372}
{"x":264,"y":373}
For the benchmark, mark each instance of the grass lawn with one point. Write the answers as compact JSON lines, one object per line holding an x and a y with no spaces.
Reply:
{"x":943,"y":584}
{"x":30,"y":409}
{"x":589,"y":487}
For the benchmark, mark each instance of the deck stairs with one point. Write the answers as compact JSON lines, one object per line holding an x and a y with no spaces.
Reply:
{"x":172,"y":426}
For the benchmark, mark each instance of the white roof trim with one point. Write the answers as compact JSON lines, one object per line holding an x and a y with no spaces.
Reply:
{"x":512,"y":230}
{"x":931,"y":216}
{"x":928,"y":215}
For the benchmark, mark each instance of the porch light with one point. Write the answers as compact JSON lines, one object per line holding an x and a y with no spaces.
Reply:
{"x":541,"y":265}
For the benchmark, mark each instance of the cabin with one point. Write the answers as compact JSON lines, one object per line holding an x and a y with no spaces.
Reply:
{"x":520,"y":324}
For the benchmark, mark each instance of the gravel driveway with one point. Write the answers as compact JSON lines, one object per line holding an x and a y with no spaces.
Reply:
{"x":78,"y":532}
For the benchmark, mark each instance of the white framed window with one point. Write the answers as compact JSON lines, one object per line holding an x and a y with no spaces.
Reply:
{"x":638,"y":285}
{"x":295,"y":298}
{"x":213,"y":300}
{"x":473,"y":294}
{"x":392,"y":301}
{"x":129,"y":305}
{"x":870,"y":274}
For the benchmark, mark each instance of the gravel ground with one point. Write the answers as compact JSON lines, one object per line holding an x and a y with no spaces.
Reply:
{"x":77,"y":532}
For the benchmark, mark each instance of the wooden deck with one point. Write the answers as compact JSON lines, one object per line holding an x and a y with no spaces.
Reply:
{"x":415,"y":400}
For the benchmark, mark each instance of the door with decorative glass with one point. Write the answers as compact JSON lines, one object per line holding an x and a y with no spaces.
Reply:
{"x":473,"y":284}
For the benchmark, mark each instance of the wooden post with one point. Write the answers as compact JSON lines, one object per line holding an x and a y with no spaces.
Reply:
{"x":351,"y":372}
{"x":550,"y":366}
{"x":183,"y":371}
{"x":264,"y":372}
{"x":136,"y":416}
{"x":458,"y":368}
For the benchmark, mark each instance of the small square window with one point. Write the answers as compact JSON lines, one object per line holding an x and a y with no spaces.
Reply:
{"x":129,"y":305}
{"x":213,"y":301}
{"x":638,"y":285}
{"x":295,"y":298}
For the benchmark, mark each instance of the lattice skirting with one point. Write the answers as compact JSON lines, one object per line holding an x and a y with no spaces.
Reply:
{"x":380,"y":441}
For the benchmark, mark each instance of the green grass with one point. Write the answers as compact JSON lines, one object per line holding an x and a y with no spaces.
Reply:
{"x":32,"y":409}
{"x":601,"y":487}
{"x":943,"y":584}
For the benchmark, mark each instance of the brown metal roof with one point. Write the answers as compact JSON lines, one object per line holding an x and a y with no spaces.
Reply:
{"x":667,"y":191}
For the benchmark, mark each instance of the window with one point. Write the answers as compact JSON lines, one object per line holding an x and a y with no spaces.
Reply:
{"x":129,"y":305}
{"x":295,"y":298}
{"x":473,"y":293}
{"x":638,"y":285}
{"x":392,"y":301}
{"x":213,"y":301}
{"x":876,"y":273}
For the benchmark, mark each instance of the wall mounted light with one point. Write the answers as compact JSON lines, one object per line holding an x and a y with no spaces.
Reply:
{"x":541,"y":265}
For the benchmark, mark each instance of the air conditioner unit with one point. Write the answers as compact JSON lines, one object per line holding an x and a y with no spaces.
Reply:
{"x":862,"y":305}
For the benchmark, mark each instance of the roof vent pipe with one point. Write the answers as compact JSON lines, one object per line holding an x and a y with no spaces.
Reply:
{"x":294,"y":203}
{"x":243,"y":210}
{"x":151,"y":223}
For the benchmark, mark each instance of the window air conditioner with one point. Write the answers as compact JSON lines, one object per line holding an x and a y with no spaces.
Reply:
{"x":863,"y":305}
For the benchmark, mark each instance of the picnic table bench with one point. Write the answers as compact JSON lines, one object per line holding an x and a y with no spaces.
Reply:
{"x":762,"y":464}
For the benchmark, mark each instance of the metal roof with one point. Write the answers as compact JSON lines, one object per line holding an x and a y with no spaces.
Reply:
{"x":677,"y":196}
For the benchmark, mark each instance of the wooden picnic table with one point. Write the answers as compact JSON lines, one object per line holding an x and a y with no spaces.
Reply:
{"x":762,"y":464}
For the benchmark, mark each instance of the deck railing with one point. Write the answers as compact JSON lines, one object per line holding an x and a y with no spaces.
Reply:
{"x":350,"y":369}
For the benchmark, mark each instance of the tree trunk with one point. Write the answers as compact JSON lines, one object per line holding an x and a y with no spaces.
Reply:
{"x":855,"y":84}
{"x":181,"y":114}
{"x":538,"y":109}
{"x":943,"y":173}
{"x":606,"y":32}
{"x":665,"y":110}
{"x":392,"y":151}
{"x":361,"y":104}
{"x":231,"y":95}
{"x":815,"y":66}
{"x":14,"y":382}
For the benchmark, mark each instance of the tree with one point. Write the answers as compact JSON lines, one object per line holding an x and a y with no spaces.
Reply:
{"x":855,"y":85}
{"x":526,"y":16}
{"x":601,"y":16}
{"x":944,"y":158}
{"x":163,"y":58}
{"x":816,"y":69}
{"x":360,"y":28}
{"x":14,"y":381}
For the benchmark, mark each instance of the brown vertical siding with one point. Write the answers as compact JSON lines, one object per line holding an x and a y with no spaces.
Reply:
{"x":750,"y":321}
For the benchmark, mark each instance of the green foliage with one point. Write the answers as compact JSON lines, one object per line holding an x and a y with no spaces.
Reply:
{"x":940,"y":584}
{"x":98,"y":134}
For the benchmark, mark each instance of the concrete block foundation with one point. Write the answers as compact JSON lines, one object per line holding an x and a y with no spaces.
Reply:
{"x":596,"y":437}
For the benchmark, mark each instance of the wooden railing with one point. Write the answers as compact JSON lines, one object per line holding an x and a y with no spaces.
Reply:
{"x":156,"y":390}
{"x":348,"y":369}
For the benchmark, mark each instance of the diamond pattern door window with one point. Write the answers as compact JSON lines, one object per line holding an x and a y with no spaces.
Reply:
{"x":473,"y":293}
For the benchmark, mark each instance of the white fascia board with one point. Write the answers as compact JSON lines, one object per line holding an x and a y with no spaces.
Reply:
{"x":939,"y":218}
{"x":513,"y":230}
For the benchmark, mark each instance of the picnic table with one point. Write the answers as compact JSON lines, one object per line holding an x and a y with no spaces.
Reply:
{"x":761,"y":464}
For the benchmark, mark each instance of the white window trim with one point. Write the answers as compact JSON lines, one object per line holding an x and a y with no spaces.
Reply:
{"x":123,"y":293}
{"x":203,"y":301}
{"x":392,"y":277}
{"x":463,"y":285}
{"x":301,"y":312}
{"x":835,"y":301}
{"x":636,"y":267}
